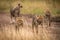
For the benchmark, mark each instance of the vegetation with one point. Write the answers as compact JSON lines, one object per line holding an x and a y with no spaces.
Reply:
{"x":33,"y":7}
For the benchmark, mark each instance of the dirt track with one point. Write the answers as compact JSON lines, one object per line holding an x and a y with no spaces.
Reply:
{"x":8,"y":32}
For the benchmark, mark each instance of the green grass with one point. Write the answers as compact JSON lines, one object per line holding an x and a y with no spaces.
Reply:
{"x":32,"y":7}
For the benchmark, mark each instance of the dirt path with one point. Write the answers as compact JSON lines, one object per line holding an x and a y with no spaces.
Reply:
{"x":4,"y":18}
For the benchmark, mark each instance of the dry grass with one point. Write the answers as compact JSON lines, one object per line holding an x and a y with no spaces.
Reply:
{"x":9,"y":32}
